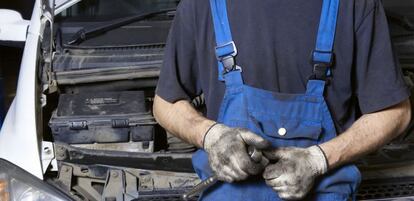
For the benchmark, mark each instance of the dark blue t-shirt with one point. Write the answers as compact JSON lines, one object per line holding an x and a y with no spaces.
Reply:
{"x":275,"y":39}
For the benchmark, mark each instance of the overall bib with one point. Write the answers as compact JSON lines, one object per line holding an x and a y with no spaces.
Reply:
{"x":299,"y":120}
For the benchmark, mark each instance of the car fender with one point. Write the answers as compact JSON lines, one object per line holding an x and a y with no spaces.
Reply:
{"x":19,"y":141}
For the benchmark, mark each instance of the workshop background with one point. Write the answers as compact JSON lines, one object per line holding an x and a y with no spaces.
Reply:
{"x":83,"y":168}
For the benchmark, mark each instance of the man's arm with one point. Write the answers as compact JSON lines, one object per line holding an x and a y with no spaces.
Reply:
{"x":296,"y":169}
{"x":226,"y":147}
{"x":182,"y":120}
{"x":367,"y":134}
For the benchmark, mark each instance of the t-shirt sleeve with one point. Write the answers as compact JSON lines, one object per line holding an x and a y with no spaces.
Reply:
{"x":178,"y":76}
{"x":379,"y":80}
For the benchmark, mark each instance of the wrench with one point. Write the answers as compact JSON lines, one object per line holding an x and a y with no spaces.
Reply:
{"x":254,"y":153}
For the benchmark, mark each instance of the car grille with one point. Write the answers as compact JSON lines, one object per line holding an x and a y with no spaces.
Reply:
{"x":383,"y":189}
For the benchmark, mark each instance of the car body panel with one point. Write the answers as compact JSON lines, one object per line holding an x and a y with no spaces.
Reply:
{"x":12,"y":26}
{"x":19,"y":141}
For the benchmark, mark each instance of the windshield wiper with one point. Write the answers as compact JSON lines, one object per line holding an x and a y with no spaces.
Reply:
{"x":84,"y":34}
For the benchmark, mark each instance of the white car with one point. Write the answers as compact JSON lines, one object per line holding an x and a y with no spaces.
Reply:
{"x":81,"y":126}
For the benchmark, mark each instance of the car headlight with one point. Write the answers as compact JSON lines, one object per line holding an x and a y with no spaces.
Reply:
{"x":18,"y":185}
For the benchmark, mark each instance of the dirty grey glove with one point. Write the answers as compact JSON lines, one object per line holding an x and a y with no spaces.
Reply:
{"x":295,"y":171}
{"x":227,"y":152}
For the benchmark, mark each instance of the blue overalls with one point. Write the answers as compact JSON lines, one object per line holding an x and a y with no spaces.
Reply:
{"x":299,"y":120}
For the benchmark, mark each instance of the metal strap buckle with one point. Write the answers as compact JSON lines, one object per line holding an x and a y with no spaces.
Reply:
{"x":228,"y":63}
{"x":321,"y":66}
{"x":321,"y":71}
{"x":238,"y":68}
{"x":233,"y":53}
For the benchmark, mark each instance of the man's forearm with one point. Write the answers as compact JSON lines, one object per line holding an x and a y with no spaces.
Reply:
{"x":367,"y":134}
{"x":182,"y":120}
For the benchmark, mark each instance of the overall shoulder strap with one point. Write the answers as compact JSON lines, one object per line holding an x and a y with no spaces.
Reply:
{"x":323,"y":56}
{"x":225,"y":48}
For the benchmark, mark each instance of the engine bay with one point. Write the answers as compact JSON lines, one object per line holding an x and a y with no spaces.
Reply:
{"x":108,"y":145}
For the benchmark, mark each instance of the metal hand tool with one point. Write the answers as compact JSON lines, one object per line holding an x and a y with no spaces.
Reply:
{"x":254,"y":153}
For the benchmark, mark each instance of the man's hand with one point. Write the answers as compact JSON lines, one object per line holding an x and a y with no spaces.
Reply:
{"x":294,"y":173}
{"x":228,"y":155}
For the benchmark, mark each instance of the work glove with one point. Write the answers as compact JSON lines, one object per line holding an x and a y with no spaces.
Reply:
{"x":295,"y":170}
{"x":228,"y":155}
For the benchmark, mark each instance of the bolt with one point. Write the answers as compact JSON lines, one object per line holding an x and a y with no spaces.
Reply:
{"x":47,"y":150}
{"x":115,"y":174}
{"x":65,"y":169}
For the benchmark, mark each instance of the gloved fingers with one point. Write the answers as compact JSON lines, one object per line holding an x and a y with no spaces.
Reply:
{"x":254,"y":168}
{"x":221,"y":170}
{"x":217,"y":163}
{"x":286,"y":195}
{"x":277,"y":153}
{"x":227,"y":174}
{"x":264,"y":162}
{"x":254,"y":140}
{"x":280,"y":189}
{"x":285,"y":192}
{"x":237,"y":169}
{"x":248,"y":165}
{"x":276,"y":183}
{"x":273,"y":171}
{"x":225,"y":178}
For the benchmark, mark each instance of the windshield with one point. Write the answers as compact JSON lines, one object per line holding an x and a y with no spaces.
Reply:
{"x":102,"y":10}
{"x":115,"y":22}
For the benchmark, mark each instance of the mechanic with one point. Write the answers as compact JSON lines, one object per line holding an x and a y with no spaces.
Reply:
{"x":286,"y":77}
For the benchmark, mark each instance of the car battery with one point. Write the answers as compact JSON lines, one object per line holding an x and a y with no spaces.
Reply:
{"x":103,"y":118}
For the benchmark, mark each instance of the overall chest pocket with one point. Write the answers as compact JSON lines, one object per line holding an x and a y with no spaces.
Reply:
{"x":288,"y":131}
